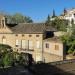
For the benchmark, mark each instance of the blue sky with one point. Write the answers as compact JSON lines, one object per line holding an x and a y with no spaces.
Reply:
{"x":36,"y":9}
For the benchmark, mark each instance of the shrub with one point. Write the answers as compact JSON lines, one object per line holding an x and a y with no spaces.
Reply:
{"x":69,"y":51}
{"x":25,"y":59}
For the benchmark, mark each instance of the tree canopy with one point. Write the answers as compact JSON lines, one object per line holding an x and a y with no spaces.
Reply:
{"x":10,"y":58}
{"x":59,"y":24}
{"x":13,"y":19}
{"x":18,"y":18}
{"x":54,"y":15}
{"x":69,"y":42}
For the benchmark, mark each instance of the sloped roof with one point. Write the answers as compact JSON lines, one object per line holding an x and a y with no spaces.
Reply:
{"x":53,"y":39}
{"x":31,"y":28}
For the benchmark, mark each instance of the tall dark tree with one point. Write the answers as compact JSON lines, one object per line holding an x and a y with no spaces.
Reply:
{"x":65,"y":11}
{"x":48,"y":22}
{"x":54,"y":15}
{"x":72,"y":22}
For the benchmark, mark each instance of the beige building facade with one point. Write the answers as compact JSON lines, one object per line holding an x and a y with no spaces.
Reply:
{"x":33,"y":38}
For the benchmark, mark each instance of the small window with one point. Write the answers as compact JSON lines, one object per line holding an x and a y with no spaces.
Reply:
{"x":22,"y":35}
{"x":56,"y":47}
{"x":16,"y":35}
{"x":30,"y":35}
{"x":37,"y":35}
{"x":47,"y":45}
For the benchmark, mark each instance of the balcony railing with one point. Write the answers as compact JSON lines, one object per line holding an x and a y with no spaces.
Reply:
{"x":22,"y":49}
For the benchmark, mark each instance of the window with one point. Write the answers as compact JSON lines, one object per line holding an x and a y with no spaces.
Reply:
{"x":26,"y":44}
{"x":74,"y":15}
{"x":47,"y":45}
{"x":17,"y":43}
{"x":23,"y":44}
{"x":30,"y":44}
{"x":38,"y":44}
{"x":16,"y":35}
{"x":56,"y":47}
{"x":37,"y":35}
{"x":30,"y":35}
{"x":4,"y":40}
{"x":22,"y":35}
{"x":3,"y":23}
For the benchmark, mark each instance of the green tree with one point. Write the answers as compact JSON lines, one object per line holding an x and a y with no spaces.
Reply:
{"x":6,"y":56}
{"x":69,"y":42}
{"x":7,"y":59}
{"x":25,"y":59}
{"x":19,"y":18}
{"x":65,"y":11}
{"x":5,"y":48}
{"x":48,"y":22}
{"x":10,"y":58}
{"x":60,"y":24}
{"x":54,"y":15}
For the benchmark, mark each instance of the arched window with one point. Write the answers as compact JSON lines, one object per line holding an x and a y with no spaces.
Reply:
{"x":3,"y":23}
{"x":4,"y":40}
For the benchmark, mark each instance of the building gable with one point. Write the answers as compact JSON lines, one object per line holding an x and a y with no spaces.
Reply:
{"x":3,"y":27}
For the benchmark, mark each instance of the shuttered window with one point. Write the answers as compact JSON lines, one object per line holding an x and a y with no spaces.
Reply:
{"x":47,"y":45}
{"x":30,"y":44}
{"x":56,"y":47}
{"x":23,"y":44}
{"x":38,"y":44}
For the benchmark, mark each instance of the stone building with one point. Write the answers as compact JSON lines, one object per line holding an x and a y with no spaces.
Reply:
{"x":34,"y":38}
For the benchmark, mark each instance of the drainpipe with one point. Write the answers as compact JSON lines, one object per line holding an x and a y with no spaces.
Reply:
{"x":42,"y":51}
{"x":28,"y":45}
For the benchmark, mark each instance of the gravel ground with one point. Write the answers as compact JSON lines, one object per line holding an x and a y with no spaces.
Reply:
{"x":69,"y":67}
{"x":46,"y":69}
{"x":41,"y":69}
{"x":15,"y":71}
